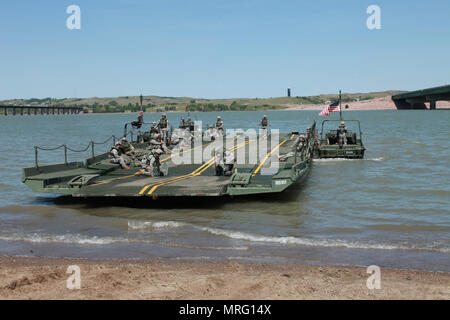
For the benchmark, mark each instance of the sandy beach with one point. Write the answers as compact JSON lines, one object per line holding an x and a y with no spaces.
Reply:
{"x":384,"y":103}
{"x":40,"y":278}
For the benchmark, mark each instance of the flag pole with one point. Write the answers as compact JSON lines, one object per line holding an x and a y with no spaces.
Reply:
{"x":340,"y":107}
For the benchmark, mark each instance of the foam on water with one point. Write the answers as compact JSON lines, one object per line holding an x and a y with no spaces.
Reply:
{"x":137,"y":225}
{"x":66,"y":238}
{"x":287,"y":240}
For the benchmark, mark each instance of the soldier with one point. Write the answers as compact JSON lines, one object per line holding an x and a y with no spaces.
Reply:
{"x":151,"y":162}
{"x":342,"y":134}
{"x":299,"y":145}
{"x":163,"y":126}
{"x":145,"y":137}
{"x":115,"y":156}
{"x":264,"y":123}
{"x":156,"y":142}
{"x":219,"y":165}
{"x":138,"y":124}
{"x":219,"y":125}
{"x":182,"y":124}
{"x":154,"y":129}
{"x":126,"y":147}
{"x":308,"y":132}
{"x":209,"y":134}
{"x":228,"y":163}
{"x":190,"y":124}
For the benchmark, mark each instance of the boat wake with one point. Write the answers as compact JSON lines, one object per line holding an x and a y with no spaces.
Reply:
{"x":331,"y":160}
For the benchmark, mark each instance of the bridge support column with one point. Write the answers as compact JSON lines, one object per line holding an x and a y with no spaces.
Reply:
{"x":6,"y":111}
{"x":35,"y":111}
{"x":29,"y":111}
{"x":432,"y":105}
{"x":21,"y":111}
{"x":14,"y":111}
{"x":402,"y":104}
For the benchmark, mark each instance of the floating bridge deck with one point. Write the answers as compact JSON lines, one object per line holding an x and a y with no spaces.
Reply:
{"x":180,"y":179}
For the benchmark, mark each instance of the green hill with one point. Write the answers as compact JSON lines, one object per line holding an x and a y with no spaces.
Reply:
{"x":159,"y":104}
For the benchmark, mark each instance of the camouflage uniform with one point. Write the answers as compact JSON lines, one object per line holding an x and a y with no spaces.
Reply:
{"x":190,"y":124}
{"x":210,"y":134}
{"x":163,"y":125}
{"x":138,"y":124}
{"x":219,"y":125}
{"x":126,"y":147}
{"x":154,"y":128}
{"x":299,"y":145}
{"x":219,"y":165}
{"x":156,"y":142}
{"x":151,"y":162}
{"x":181,"y":137}
{"x":264,"y":122}
{"x":229,"y":163}
{"x":182,"y":124}
{"x":115,"y":156}
{"x":342,"y":134}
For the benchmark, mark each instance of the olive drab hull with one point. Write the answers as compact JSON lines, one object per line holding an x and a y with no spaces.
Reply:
{"x":97,"y":176}
{"x":331,"y":145}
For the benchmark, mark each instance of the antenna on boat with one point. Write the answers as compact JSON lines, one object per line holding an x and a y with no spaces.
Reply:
{"x":141,"y":98}
{"x":340,"y":107}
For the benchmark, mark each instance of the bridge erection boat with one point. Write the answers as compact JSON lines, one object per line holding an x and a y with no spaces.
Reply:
{"x":192,"y":170}
{"x":340,"y":141}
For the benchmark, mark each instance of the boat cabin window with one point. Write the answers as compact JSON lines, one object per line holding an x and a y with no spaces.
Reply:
{"x":332,"y":137}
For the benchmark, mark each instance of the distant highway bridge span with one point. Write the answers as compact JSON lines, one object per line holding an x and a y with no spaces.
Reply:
{"x":16,"y":110}
{"x":417,"y":99}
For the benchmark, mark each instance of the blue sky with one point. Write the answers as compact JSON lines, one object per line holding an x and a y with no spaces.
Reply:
{"x":221,"y":48}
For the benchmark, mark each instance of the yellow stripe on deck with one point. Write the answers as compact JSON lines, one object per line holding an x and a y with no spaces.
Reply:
{"x":269,"y":154}
{"x":195,"y":173}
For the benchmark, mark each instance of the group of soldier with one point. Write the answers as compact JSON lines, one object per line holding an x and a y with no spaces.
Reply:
{"x":158,"y":140}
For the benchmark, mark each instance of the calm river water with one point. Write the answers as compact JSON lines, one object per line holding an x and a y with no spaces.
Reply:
{"x":390,"y":209}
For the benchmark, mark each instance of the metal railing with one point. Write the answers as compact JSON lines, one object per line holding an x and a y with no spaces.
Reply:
{"x":91,"y":145}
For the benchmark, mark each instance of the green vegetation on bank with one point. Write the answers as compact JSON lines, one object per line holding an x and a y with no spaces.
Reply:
{"x":161,"y":104}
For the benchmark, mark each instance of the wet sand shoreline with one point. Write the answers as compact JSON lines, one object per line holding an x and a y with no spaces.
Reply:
{"x":45,"y":278}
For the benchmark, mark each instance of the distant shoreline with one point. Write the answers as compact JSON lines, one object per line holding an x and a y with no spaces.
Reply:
{"x":350,"y":102}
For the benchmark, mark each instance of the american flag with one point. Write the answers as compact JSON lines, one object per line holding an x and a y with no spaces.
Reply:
{"x":334,"y":107}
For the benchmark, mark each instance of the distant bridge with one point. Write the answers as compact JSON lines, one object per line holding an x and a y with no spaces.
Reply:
{"x":417,"y":99}
{"x":15,"y":110}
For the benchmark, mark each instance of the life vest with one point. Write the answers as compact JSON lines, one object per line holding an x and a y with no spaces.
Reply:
{"x":163,"y":123}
